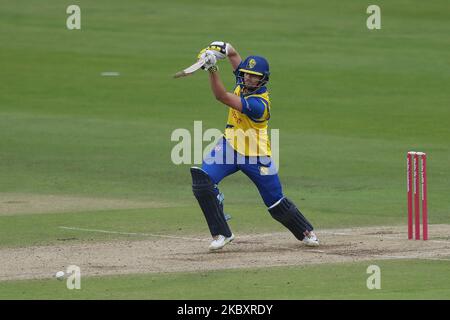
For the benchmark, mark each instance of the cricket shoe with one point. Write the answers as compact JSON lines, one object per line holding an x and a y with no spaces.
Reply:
{"x":311,"y":239}
{"x":220,"y":241}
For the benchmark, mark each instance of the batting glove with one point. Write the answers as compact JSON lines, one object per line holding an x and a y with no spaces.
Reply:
{"x":220,"y":49}
{"x":211,"y":60}
{"x":201,"y":54}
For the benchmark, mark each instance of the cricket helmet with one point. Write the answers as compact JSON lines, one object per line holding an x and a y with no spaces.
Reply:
{"x":254,"y":65}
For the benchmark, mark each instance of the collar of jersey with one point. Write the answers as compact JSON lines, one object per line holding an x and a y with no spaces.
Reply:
{"x":259,"y":91}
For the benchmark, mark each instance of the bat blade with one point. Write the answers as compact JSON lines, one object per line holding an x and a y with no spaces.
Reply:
{"x":190,"y":70}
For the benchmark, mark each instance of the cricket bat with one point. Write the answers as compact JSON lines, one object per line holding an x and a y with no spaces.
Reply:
{"x":190,"y":70}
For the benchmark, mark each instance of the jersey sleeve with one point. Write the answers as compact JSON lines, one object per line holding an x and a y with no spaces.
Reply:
{"x":254,"y":108}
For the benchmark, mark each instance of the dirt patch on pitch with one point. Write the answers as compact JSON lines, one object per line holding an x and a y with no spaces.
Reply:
{"x":156,"y":254}
{"x":22,"y":203}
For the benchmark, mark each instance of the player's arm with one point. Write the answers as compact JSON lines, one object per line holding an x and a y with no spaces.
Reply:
{"x":233,"y":56}
{"x":253,"y":107}
{"x":218,"y":89}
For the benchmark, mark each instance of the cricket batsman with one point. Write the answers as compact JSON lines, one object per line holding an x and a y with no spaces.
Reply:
{"x":245,"y":147}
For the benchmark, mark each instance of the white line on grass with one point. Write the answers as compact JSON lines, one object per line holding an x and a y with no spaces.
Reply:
{"x":131,"y":233}
{"x":110,"y":74}
{"x":384,"y":236}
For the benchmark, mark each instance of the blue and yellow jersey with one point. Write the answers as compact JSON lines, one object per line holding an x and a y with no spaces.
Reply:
{"x":247,"y":131}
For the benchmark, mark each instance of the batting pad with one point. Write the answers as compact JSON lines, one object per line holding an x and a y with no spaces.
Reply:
{"x":289,"y":216}
{"x":206,"y":193}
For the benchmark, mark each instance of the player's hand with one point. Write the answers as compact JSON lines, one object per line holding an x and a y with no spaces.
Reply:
{"x":219,"y":48}
{"x":201,"y":54}
{"x":210,"y":57}
{"x":211,"y":60}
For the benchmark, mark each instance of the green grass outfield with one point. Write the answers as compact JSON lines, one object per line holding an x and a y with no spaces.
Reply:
{"x":349,"y":103}
{"x":405,"y":279}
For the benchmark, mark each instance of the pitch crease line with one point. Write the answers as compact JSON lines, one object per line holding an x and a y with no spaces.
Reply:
{"x":131,"y":233}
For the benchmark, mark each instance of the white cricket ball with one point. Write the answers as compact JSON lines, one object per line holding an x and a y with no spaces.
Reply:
{"x":60,"y":275}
